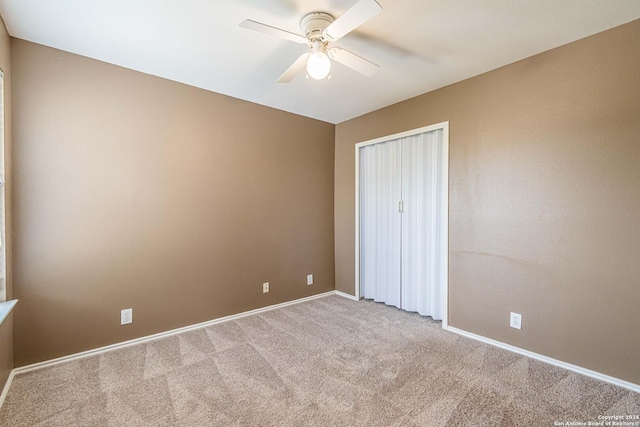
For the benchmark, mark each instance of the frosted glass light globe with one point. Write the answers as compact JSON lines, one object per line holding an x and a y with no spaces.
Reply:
{"x":318,"y":65}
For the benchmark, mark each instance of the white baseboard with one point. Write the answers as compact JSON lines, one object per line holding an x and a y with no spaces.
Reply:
{"x":93,"y":352}
{"x":5,"y":309}
{"x":5,"y":389}
{"x":47,"y":363}
{"x":593,"y":374}
{"x":343,"y":295}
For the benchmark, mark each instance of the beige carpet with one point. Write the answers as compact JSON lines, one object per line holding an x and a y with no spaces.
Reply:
{"x":326,"y":362}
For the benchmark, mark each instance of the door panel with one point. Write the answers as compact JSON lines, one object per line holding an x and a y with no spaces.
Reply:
{"x":380,"y":222}
{"x":421,"y":183}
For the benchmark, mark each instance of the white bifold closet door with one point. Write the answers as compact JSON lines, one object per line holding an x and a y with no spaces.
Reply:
{"x":401,"y":235}
{"x":380,"y":224}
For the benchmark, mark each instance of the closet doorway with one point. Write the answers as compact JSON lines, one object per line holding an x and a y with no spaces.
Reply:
{"x":402,"y":190}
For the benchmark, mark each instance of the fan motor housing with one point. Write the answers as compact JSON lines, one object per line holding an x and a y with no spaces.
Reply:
{"x":314,"y":23}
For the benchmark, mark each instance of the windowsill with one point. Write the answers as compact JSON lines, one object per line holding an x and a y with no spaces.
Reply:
{"x":5,"y":309}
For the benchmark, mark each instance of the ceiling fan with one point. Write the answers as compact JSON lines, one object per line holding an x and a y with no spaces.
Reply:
{"x":321,"y":29}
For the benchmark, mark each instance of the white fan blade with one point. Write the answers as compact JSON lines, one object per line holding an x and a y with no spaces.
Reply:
{"x":294,"y":69}
{"x":357,"y":15}
{"x":272,"y":31}
{"x":353,"y":61}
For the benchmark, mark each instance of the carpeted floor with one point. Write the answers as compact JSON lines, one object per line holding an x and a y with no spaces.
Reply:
{"x":325,"y":362}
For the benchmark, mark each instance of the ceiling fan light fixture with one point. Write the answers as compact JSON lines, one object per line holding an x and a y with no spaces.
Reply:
{"x":321,"y":29}
{"x":318,"y":65}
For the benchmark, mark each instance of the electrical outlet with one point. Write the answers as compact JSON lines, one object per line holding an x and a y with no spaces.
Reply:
{"x":310,"y":279}
{"x":126,"y":316}
{"x":265,"y":287}
{"x":515,"y":320}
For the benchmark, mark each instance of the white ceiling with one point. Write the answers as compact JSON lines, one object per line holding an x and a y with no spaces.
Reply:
{"x":420,"y":45}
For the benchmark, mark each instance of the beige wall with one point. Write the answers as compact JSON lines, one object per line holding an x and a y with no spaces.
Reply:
{"x":134,"y":191}
{"x":544,"y":199}
{"x":6,"y":328}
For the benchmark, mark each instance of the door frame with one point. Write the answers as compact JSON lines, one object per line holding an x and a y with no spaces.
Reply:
{"x":445,"y":208}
